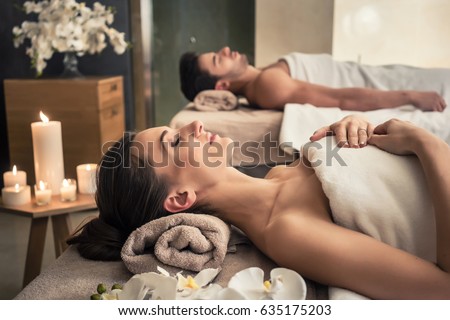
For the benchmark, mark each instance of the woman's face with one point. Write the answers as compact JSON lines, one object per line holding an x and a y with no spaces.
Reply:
{"x":184,"y":154}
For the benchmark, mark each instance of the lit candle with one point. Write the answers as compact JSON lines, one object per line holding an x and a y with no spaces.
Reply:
{"x":86,"y":178}
{"x":42,"y":193}
{"x":48,"y":152}
{"x":68,"y":190}
{"x":11,"y":178}
{"x":16,"y":196}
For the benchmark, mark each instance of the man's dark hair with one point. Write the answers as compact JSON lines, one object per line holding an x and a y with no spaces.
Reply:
{"x":193,"y":80}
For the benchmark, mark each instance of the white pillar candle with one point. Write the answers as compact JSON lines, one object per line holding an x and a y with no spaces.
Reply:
{"x":86,"y":174}
{"x":48,"y":152}
{"x":68,"y":190}
{"x":11,"y":178}
{"x":42,"y":193}
{"x":16,"y":196}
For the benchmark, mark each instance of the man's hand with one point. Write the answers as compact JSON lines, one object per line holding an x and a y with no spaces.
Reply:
{"x":352,"y":131}
{"x":428,"y":101}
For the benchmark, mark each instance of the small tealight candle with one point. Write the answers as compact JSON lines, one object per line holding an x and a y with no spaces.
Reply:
{"x":17,"y":195}
{"x":11,"y":178}
{"x":42,"y":193}
{"x":68,"y":190}
{"x":86,"y":178}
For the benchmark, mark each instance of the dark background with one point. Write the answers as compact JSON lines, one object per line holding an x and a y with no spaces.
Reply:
{"x":14,"y":63}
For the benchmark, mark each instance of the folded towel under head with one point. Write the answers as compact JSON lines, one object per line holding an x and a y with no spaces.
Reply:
{"x":184,"y":240}
{"x":215,"y":100}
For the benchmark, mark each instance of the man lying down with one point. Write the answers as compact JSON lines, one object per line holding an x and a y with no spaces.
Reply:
{"x":314,"y":79}
{"x":364,"y":221}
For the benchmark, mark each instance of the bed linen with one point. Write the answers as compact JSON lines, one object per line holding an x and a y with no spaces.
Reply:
{"x":393,"y":203}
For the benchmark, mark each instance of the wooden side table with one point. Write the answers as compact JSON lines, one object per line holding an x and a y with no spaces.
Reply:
{"x":59,"y":212}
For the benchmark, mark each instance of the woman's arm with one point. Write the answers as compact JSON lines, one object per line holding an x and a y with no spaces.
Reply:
{"x":401,"y":137}
{"x":322,"y":251}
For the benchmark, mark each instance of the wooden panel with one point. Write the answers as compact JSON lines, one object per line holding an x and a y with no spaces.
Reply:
{"x":77,"y":103}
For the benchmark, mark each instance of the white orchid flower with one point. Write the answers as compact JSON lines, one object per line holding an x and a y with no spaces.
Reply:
{"x":198,"y":287}
{"x":151,"y":284}
{"x":284,"y":284}
{"x":67,"y":26}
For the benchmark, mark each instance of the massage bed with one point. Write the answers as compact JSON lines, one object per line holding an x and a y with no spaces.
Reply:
{"x":72,"y":277}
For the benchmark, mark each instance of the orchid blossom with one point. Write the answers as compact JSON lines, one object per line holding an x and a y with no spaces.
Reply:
{"x":248,"y":284}
{"x":284,"y":284}
{"x":67,"y":26}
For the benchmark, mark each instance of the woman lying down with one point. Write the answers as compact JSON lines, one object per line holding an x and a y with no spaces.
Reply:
{"x":287,"y":215}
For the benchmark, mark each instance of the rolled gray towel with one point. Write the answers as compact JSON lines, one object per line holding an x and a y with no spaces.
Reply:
{"x":184,"y":240}
{"x":215,"y":100}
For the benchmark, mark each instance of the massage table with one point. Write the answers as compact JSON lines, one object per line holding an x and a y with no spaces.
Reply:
{"x":72,"y":277}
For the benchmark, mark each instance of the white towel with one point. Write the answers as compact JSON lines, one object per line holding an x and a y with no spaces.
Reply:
{"x":300,"y":121}
{"x":379,"y":194}
{"x":322,"y":69}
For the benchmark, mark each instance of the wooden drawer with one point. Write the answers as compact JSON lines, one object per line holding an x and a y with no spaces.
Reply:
{"x":110,"y":91}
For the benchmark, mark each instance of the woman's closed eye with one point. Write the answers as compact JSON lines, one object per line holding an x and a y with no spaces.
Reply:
{"x":175,"y":141}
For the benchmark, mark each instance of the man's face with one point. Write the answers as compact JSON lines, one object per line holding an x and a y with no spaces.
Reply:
{"x":224,"y":64}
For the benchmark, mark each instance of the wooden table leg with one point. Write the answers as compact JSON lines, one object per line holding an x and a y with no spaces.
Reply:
{"x":35,"y":249}
{"x":61,"y":229}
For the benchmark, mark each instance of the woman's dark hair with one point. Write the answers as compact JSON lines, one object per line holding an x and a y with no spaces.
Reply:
{"x":129,"y":194}
{"x":192,"y":78}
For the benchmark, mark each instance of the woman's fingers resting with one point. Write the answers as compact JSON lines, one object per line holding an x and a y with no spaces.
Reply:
{"x":352,"y":131}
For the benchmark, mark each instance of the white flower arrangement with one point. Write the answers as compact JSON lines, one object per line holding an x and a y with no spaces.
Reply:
{"x":67,"y":26}
{"x":248,"y":284}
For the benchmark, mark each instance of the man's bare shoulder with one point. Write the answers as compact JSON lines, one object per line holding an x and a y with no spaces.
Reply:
{"x":279,"y":65}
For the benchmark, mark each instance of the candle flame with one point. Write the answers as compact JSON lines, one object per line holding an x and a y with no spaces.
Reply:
{"x":65,"y":183}
{"x":41,"y":185}
{"x":14,"y":170}
{"x":88,"y":167}
{"x":16,"y":187}
{"x":43,"y":117}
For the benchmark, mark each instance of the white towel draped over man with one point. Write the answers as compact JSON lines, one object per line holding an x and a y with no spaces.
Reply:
{"x":314,"y":79}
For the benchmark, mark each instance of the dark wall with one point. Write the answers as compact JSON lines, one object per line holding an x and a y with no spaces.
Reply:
{"x":14,"y":63}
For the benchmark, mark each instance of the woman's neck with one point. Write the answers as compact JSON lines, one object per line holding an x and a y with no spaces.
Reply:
{"x":239,"y":198}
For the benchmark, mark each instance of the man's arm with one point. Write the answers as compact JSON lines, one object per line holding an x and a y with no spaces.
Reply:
{"x":274,"y":88}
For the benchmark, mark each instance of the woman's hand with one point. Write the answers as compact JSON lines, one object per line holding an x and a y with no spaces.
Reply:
{"x":352,"y":131}
{"x":399,"y":137}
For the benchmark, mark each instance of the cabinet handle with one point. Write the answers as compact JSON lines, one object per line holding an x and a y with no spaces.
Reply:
{"x":114,"y":87}
{"x":111,"y":112}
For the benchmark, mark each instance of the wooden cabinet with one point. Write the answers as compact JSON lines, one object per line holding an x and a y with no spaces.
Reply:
{"x":91,"y":111}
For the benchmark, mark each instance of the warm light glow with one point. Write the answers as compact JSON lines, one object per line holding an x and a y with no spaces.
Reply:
{"x":17,"y":187}
{"x":88,"y":167}
{"x":41,"y":185}
{"x":65,"y":183}
{"x":43,"y":117}
{"x":14,"y":170}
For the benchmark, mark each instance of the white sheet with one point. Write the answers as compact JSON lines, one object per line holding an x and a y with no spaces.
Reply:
{"x":379,"y":194}
{"x":300,"y":121}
